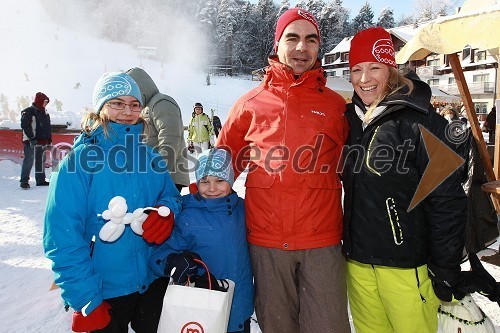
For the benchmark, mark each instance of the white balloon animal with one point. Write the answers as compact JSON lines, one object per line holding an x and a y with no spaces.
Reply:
{"x":118,"y":218}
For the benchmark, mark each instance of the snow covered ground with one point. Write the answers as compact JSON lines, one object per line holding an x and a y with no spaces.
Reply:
{"x":26,"y":304}
{"x":54,"y":59}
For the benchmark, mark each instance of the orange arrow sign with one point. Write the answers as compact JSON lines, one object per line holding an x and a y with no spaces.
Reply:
{"x":443,"y":161}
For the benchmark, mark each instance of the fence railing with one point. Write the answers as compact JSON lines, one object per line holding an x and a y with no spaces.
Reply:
{"x":474,"y":88}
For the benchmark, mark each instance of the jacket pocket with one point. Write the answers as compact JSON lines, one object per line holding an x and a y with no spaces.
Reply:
{"x":393,"y":217}
{"x":260,"y":202}
{"x":321,"y":194}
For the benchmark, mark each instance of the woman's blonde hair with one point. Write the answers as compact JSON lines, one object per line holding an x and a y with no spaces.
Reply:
{"x":396,"y":82}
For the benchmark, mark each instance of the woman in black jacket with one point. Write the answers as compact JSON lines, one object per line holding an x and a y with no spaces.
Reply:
{"x":389,"y":246}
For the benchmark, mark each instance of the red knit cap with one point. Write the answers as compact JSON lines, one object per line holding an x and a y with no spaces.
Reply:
{"x":288,"y":17}
{"x":372,"y":45}
{"x":40,"y":97}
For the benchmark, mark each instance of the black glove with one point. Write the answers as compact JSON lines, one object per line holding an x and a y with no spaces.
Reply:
{"x":445,"y":282}
{"x":479,"y":280}
{"x":184,"y":264}
{"x":33,"y":143}
{"x":191,"y":147}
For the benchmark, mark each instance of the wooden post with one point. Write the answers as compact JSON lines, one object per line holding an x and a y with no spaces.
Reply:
{"x":496,"y":162}
{"x":474,"y":123}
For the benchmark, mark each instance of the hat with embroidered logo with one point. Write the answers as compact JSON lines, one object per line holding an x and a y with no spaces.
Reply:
{"x":215,"y":162}
{"x":372,"y":45}
{"x":113,"y":85}
{"x":288,"y":17}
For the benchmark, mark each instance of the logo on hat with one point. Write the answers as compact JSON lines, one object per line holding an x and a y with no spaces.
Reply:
{"x":308,"y":16}
{"x":383,"y":51}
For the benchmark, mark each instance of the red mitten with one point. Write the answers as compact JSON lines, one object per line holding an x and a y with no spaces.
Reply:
{"x":96,"y":320}
{"x":193,"y":188}
{"x":157,"y":228}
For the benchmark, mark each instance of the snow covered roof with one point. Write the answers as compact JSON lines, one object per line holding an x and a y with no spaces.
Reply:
{"x":341,"y":86}
{"x":405,"y":32}
{"x":343,"y":46}
{"x":440,"y":96}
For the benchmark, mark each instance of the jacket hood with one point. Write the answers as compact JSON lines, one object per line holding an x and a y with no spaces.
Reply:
{"x":419,"y":99}
{"x":145,"y":82}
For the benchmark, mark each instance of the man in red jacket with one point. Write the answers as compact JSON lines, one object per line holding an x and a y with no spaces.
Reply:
{"x":289,"y":132}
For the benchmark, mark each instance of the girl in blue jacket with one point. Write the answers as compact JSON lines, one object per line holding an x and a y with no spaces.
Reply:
{"x":98,"y":276}
{"x":212,"y":225}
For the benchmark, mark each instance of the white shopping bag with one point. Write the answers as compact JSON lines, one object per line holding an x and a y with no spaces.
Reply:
{"x":188,"y":309}
{"x":463,"y":316}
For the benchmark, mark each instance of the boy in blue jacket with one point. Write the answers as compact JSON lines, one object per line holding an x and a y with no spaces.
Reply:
{"x":212,"y":225}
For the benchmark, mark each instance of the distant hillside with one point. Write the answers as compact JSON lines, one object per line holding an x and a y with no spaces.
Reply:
{"x":39,"y":55}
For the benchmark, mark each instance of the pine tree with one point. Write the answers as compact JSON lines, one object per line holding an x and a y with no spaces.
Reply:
{"x":315,"y":7}
{"x":244,"y":40}
{"x":333,"y":27}
{"x":364,"y":19}
{"x":206,"y":18}
{"x":226,"y":22}
{"x":266,"y":13}
{"x":426,"y":10}
{"x":386,"y":18}
{"x":405,"y":20}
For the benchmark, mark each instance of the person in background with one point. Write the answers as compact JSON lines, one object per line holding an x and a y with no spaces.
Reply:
{"x":398,"y":260}
{"x":449,"y":114}
{"x":164,"y":127}
{"x":58,"y":104}
{"x":217,"y":126}
{"x":289,"y":132}
{"x":200,"y":131}
{"x":109,"y":284}
{"x":37,"y":133}
{"x":490,"y":124}
{"x":215,"y":207}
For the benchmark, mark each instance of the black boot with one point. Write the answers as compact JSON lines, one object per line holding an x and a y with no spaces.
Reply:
{"x":25,"y":185}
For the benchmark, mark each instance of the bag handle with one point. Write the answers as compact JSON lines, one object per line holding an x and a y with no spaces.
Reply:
{"x":200,"y":262}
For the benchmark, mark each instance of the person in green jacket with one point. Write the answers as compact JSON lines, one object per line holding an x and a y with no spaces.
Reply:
{"x":201,"y":131}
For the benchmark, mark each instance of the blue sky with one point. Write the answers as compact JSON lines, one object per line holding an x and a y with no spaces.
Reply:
{"x":399,"y":7}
